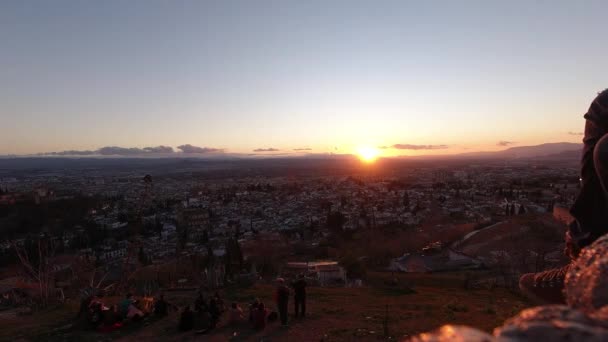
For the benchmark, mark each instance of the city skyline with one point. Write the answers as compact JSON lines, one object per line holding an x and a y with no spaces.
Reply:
{"x":266,"y":78}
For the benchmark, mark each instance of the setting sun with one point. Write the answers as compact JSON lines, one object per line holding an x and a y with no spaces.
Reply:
{"x":368,"y":154}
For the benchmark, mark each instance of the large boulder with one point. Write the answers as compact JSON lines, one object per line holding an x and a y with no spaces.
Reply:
{"x":586,"y":283}
{"x":585,"y":318}
{"x":552,"y":323}
{"x":454,"y":333}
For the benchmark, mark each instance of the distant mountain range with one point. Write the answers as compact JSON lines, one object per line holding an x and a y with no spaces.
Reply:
{"x":560,"y":150}
{"x":563,"y":151}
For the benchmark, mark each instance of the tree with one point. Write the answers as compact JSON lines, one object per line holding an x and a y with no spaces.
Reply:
{"x":182,"y":235}
{"x":142,"y":257}
{"x":335,"y":221}
{"x":228,"y":272}
{"x":354,"y":267}
{"x":238,"y":253}
{"x":37,"y":266}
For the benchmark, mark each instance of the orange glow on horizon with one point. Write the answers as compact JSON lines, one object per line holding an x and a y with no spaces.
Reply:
{"x":368,"y":154}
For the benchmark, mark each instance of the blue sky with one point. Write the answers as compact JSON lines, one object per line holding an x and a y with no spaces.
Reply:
{"x":325,"y":75}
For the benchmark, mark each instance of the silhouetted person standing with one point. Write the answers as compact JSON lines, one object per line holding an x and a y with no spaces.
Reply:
{"x":590,"y":210}
{"x":299,"y":288}
{"x":282,"y":297}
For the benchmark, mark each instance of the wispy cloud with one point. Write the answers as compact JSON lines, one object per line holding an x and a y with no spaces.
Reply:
{"x":419,"y":147}
{"x":505,"y":143}
{"x":575,"y":133}
{"x":303,"y":149}
{"x":269,"y":149}
{"x":187,"y":148}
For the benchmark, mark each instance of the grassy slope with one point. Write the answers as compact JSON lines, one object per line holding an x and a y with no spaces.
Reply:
{"x":335,"y":314}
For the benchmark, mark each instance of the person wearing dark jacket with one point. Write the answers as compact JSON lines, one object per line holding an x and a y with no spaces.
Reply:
{"x":186,"y":320}
{"x":260,"y":313}
{"x":299,"y":288}
{"x":282,"y":297}
{"x":590,"y":209}
{"x":200,"y":304}
{"x":252,"y":307}
{"x":161,"y":307}
{"x":215,"y":311}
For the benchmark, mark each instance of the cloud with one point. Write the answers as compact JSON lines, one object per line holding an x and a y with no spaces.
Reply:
{"x":575,"y":133}
{"x":158,"y":149}
{"x":269,"y":149}
{"x":383,"y":147}
{"x":69,"y":153}
{"x":114,"y":151}
{"x":303,"y":149}
{"x":505,"y":143}
{"x":119,"y":151}
{"x":419,"y":147}
{"x":187,"y":148}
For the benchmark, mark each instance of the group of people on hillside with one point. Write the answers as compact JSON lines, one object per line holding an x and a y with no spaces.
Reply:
{"x":259,"y":314}
{"x":207,"y":310}
{"x":210,"y":310}
{"x":99,"y":315}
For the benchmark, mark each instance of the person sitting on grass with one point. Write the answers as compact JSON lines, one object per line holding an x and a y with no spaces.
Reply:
{"x":96,"y":309}
{"x":186,"y":320}
{"x":259,"y":317}
{"x":134,"y":313}
{"x":215,"y":310}
{"x":252,"y":307}
{"x":161,"y":307}
{"x":123,"y":306}
{"x":236,"y":314}
{"x":111,"y":319}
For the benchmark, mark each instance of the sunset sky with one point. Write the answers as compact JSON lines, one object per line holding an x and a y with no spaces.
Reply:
{"x":427,"y":77}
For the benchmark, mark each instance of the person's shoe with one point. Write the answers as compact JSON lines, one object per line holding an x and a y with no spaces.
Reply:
{"x":545,"y":287}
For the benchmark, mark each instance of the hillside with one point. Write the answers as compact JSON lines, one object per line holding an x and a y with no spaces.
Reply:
{"x":335,"y":314}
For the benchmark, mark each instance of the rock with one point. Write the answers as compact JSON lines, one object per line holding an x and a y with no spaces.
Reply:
{"x":552,"y":323}
{"x":586,"y":284}
{"x":601,"y":314}
{"x":584,"y":319}
{"x":454,"y":333}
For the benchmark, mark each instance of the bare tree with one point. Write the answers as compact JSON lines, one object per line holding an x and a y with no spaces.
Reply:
{"x":38,"y":271}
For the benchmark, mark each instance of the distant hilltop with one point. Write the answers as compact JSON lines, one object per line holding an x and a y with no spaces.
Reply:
{"x":548,"y":151}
